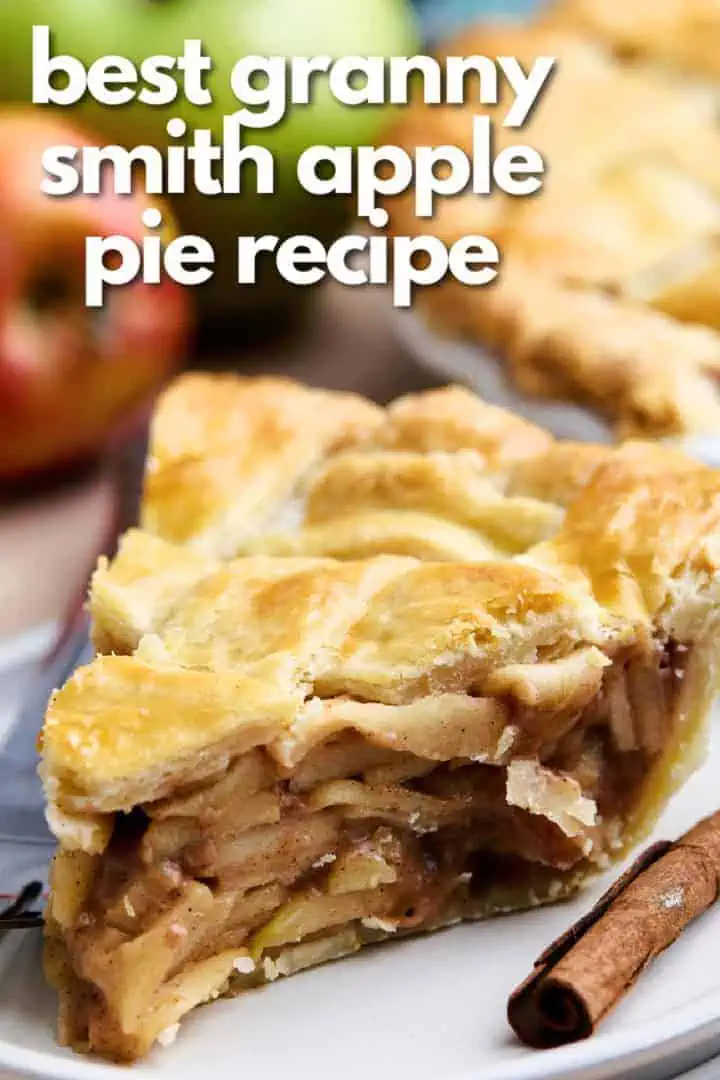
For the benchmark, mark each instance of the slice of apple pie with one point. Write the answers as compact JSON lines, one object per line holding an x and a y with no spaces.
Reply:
{"x":277,"y":760}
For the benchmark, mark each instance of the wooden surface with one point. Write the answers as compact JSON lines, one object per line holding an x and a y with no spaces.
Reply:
{"x":50,"y":538}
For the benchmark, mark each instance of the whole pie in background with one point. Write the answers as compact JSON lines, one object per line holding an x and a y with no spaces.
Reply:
{"x":609,"y":287}
{"x":363,"y":672}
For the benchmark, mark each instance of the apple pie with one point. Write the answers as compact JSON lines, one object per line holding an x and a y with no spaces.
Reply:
{"x":276,"y":759}
{"x":684,"y":34}
{"x":607,"y":294}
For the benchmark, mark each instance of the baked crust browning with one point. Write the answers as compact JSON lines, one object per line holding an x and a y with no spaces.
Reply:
{"x":216,"y":436}
{"x":277,"y":760}
{"x":273,"y":467}
{"x":651,"y":375}
{"x":680,"y":33}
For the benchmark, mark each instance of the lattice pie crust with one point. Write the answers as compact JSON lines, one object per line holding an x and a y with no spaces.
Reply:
{"x":609,"y":284}
{"x":279,"y":758}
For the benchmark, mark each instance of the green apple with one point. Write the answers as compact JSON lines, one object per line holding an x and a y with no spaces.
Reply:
{"x":229,"y":30}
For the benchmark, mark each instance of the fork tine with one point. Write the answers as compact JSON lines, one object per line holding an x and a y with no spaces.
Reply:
{"x":17,"y":916}
{"x":25,"y":897}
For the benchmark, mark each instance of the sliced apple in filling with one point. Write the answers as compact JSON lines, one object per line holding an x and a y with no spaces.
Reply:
{"x":275,"y":761}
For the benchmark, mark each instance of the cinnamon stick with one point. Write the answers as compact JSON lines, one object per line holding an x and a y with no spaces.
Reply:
{"x":584,"y":973}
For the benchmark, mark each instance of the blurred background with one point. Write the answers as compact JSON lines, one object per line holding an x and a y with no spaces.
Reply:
{"x":76,"y":386}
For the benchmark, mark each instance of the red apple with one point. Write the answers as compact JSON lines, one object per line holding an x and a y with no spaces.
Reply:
{"x":229,"y":30}
{"x":69,"y":375}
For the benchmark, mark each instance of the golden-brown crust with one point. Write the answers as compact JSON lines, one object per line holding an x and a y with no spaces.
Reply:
{"x":625,"y":230}
{"x":651,"y":375}
{"x":243,"y":444}
{"x":645,"y":524}
{"x":682,"y":33}
{"x":121,"y":727}
{"x":558,"y":474}
{"x":453,"y":487}
{"x":453,"y":419}
{"x":270,"y":466}
{"x":637,"y":552}
{"x":314,"y":619}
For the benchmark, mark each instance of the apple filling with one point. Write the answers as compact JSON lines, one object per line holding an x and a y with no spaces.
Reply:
{"x":266,"y":867}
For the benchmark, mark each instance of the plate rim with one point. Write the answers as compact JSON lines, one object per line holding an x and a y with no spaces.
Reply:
{"x":691,"y":1030}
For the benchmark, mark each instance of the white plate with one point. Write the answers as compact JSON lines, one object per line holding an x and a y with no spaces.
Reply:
{"x":478,"y":368}
{"x":432,"y":1008}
